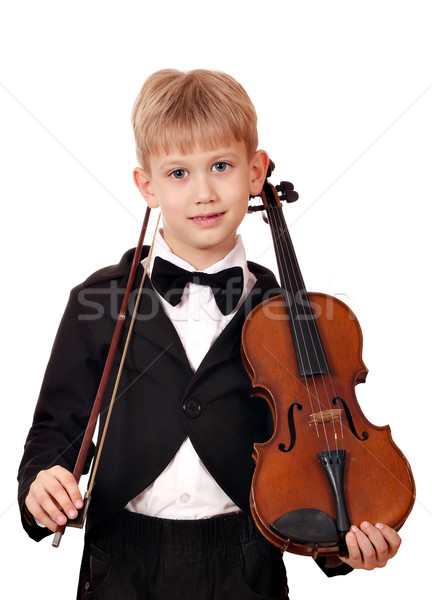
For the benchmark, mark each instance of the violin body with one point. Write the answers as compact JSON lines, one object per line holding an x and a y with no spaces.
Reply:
{"x":378,"y":486}
{"x":325,"y":466}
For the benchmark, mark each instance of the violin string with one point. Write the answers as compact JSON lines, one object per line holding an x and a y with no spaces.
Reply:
{"x":309,"y":323}
{"x":302,"y":314}
{"x":295,"y":269}
{"x":286,"y":282}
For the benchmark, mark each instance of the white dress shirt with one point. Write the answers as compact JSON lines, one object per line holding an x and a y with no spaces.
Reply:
{"x":185,"y":489}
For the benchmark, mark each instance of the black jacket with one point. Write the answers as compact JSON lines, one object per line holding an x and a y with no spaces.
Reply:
{"x":160,"y":400}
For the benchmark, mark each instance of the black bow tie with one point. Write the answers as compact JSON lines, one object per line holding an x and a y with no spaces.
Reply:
{"x":170,"y":280}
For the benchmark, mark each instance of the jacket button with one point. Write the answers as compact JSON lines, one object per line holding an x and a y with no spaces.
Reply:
{"x":192,"y":408}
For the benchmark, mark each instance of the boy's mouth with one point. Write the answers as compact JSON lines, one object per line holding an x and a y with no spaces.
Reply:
{"x":209,"y":219}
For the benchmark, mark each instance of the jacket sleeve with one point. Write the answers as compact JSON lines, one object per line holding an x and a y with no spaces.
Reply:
{"x":64,"y":405}
{"x":342,"y":569}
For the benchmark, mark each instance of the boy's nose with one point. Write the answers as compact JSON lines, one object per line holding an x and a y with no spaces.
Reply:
{"x":205,"y":191}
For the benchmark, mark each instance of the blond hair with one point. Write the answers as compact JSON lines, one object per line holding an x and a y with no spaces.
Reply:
{"x":183,"y":111}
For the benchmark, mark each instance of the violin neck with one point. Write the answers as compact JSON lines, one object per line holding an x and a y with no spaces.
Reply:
{"x":309,"y":349}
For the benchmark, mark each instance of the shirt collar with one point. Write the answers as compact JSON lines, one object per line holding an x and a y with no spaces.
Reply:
{"x":235,"y":258}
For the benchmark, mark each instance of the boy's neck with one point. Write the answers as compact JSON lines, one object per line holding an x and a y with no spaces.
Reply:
{"x":201,"y":259}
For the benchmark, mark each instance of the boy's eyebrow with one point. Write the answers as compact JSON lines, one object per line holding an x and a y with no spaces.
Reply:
{"x":217,"y":154}
{"x":171,"y":162}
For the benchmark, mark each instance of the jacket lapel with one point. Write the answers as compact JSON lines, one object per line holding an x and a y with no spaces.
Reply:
{"x":228,"y":343}
{"x":153,"y":324}
{"x":151,"y":321}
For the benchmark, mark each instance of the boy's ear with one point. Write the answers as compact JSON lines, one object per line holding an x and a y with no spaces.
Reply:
{"x":258,"y":171}
{"x":143,"y":183}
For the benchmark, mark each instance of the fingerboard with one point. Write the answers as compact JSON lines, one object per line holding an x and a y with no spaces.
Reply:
{"x":309,"y":350}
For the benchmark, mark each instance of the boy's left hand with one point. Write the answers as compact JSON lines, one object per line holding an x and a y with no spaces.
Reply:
{"x":370,"y":546}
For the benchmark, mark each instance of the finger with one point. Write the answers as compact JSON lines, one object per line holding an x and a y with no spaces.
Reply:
{"x":61,"y":485}
{"x":392,"y":538}
{"x":52,"y":497}
{"x":41,"y":515}
{"x":70,"y":484}
{"x":354,"y":558}
{"x":58,"y":496}
{"x":52,"y":509}
{"x":362,"y":553}
{"x":365,"y":537}
{"x":378,"y":541}
{"x":67,"y":493}
{"x":374,"y":546}
{"x":371,"y":546}
{"x":385,"y":540}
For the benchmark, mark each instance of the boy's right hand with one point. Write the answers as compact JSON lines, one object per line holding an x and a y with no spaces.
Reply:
{"x":52,"y":495}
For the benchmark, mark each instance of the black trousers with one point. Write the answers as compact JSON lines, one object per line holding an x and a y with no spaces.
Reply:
{"x":135,"y":557}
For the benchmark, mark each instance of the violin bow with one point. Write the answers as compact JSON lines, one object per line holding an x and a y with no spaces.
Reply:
{"x":94,"y":415}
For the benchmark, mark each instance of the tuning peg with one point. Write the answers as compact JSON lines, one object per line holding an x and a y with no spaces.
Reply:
{"x":287,"y":192}
{"x":252,"y":209}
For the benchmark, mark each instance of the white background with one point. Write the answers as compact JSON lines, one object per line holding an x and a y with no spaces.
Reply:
{"x":343,"y":93}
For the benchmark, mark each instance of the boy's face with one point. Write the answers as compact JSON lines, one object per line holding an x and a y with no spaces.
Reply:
{"x":203,"y":198}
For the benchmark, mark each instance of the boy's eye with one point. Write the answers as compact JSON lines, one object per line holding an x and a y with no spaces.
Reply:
{"x":220,"y":167}
{"x":178,"y":173}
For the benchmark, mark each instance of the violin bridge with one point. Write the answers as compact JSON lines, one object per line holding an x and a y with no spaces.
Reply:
{"x":326,"y":416}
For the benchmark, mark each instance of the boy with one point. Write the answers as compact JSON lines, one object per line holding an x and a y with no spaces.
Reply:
{"x":169,"y":516}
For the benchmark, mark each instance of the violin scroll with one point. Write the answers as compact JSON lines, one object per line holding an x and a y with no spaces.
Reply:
{"x":287,"y":192}
{"x":282,"y":192}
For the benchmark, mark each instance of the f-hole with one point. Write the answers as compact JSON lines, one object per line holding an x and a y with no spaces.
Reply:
{"x":291,"y":426}
{"x":365,"y":434}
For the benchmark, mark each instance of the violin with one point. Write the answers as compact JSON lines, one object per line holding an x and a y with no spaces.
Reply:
{"x":325,"y":466}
